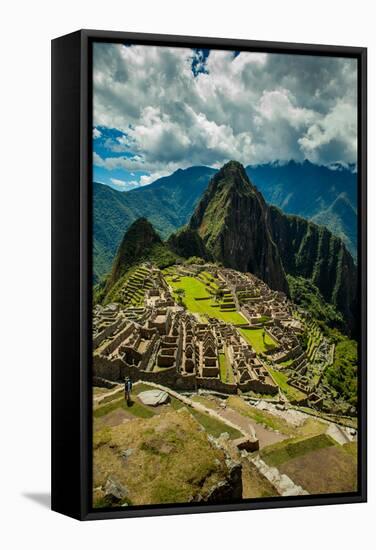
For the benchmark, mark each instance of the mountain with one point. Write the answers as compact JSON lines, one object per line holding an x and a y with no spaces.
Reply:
{"x":342,"y":219}
{"x":327,"y":196}
{"x":167,"y":203}
{"x":140,"y":243}
{"x":312,"y":191}
{"x":187,"y":242}
{"x":313,"y":252}
{"x":240,"y":230}
{"x":233,"y":222}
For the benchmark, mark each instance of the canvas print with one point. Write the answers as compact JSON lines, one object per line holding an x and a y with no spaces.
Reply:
{"x":225,"y":280}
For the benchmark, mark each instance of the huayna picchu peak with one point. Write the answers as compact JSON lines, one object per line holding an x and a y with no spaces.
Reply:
{"x":232,"y":221}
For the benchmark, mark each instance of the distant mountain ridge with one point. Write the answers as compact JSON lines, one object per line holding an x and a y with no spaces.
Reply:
{"x":326,"y":196}
{"x":167,"y":203}
{"x":311,"y":191}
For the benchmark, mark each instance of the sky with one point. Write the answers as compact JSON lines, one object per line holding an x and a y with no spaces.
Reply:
{"x":157,"y":109}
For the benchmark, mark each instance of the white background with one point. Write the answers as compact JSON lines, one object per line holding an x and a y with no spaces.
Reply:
{"x":27,"y":28}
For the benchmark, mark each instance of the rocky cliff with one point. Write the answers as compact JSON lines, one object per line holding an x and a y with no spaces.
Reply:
{"x":232,"y":219}
{"x":313,"y":252}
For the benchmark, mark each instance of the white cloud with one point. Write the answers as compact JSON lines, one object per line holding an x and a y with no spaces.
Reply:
{"x":96,"y":133}
{"x":333,"y":137}
{"x":278,"y":104}
{"x":254,"y":107}
{"x":118,"y":183}
{"x":123,"y":185}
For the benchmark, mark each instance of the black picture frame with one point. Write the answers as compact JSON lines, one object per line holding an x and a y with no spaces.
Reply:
{"x":72,"y":270}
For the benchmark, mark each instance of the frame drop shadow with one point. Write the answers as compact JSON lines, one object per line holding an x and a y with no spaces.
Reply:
{"x":43,"y":499}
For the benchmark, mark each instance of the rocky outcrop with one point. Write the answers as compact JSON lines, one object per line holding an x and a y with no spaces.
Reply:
{"x":154,"y":398}
{"x":114,"y":491}
{"x":229,"y":489}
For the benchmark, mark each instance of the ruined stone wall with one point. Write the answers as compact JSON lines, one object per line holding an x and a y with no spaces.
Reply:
{"x":114,"y":370}
{"x":215,"y":384}
{"x":113,"y":344}
{"x":118,"y":324}
{"x":170,"y":378}
{"x":146,"y":356}
{"x":270,"y":334}
{"x":295,"y":353}
{"x":259,"y":387}
{"x":179,"y":351}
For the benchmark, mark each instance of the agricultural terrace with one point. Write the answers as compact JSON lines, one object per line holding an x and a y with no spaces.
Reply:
{"x":198,"y":299}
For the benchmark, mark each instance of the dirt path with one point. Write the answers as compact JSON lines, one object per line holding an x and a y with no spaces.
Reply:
{"x":265,"y":436}
{"x":249,"y":432}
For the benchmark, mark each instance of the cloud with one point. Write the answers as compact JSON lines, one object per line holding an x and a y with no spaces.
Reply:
{"x":333,"y":137}
{"x":177,"y":107}
{"x":96,"y":133}
{"x":122,"y":185}
{"x":118,"y":183}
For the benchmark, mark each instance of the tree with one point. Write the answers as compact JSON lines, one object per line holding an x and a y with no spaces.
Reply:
{"x":219,"y":294}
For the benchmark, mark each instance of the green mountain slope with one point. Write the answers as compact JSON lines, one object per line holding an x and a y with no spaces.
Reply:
{"x":341,"y":218}
{"x":167,"y":203}
{"x":326,"y":196}
{"x":312,"y":251}
{"x":140,"y":243}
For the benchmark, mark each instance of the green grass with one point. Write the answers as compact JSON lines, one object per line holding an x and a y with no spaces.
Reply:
{"x":310,"y":427}
{"x":281,"y":379}
{"x":255,"y":338}
{"x":205,"y":401}
{"x":137,"y":409}
{"x":225,"y":369}
{"x":140,"y":387}
{"x":213,"y":426}
{"x":342,"y":375}
{"x":286,"y":363}
{"x":260,"y":417}
{"x":194,"y":288}
{"x":281,"y":452}
{"x":110,"y":398}
{"x":176,"y":404}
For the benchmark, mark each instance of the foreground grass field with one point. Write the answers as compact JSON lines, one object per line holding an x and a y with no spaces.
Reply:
{"x":258,"y":338}
{"x":317,"y":463}
{"x":108,"y":413}
{"x":281,"y":452}
{"x":158,"y":465}
{"x":198,"y":300}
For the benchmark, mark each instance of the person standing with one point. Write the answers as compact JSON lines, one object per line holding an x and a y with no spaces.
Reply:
{"x":128,"y":389}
